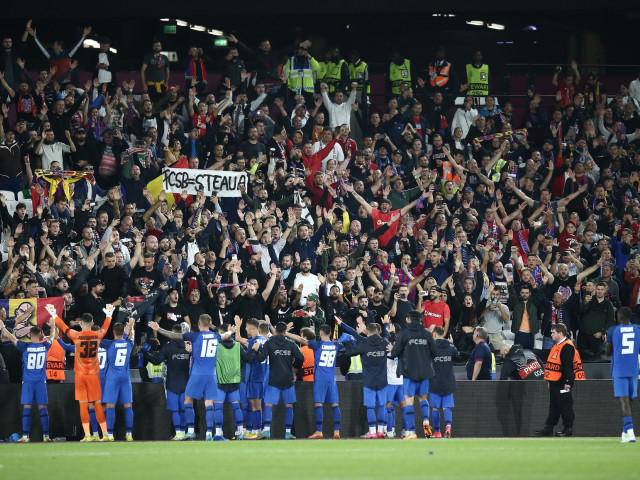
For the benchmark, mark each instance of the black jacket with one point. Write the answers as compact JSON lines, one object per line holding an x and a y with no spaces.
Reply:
{"x":178,"y":361}
{"x":283,"y":355}
{"x":444,"y":382}
{"x":415,"y":349}
{"x":373,"y":353}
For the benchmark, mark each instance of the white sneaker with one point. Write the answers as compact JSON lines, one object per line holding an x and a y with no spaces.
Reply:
{"x":628,"y":437}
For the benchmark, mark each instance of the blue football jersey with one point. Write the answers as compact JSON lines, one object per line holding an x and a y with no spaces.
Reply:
{"x":257,"y":371}
{"x":203,"y":355}
{"x":118,"y":355}
{"x":325,"y":357}
{"x":625,"y":340}
{"x":34,"y":361}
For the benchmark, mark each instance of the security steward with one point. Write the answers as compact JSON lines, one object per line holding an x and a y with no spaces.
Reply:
{"x":563,"y":367}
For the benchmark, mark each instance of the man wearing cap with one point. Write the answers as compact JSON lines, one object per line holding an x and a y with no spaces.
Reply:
{"x":311,"y":316}
{"x":93,"y":302}
{"x":299,"y":70}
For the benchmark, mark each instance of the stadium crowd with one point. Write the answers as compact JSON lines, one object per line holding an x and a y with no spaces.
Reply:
{"x":355,"y":212}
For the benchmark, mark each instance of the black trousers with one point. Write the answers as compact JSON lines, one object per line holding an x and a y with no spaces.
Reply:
{"x":560,"y":405}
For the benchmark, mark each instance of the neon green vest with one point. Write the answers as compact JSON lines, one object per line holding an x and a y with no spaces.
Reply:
{"x":333,"y":76}
{"x":299,"y":80}
{"x":228,"y":364}
{"x":154,"y":372}
{"x":399,"y":74}
{"x":356,"y":365}
{"x":494,"y":174}
{"x":357,"y":74}
{"x":478,"y":80}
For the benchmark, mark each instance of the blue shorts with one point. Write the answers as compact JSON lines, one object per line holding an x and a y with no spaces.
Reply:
{"x":117,"y":389}
{"x":34,"y":391}
{"x":438,"y":401}
{"x":412,"y":388}
{"x":243,"y":393}
{"x":229,"y":397}
{"x":272,"y":395}
{"x":325,"y":392}
{"x":255,"y":390}
{"x":200,"y":386}
{"x":395,"y":394}
{"x":374,"y":398}
{"x":175,"y":401}
{"x":625,"y":387}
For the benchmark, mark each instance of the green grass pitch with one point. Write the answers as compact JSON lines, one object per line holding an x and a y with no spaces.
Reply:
{"x":495,"y":458}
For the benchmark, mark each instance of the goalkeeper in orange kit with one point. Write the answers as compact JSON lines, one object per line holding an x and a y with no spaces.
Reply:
{"x":87,"y":366}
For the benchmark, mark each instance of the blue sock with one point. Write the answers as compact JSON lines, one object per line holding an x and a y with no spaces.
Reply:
{"x":448,"y":416}
{"x":411,"y":420}
{"x":627,"y":424}
{"x":403,"y":410}
{"x":183,"y":420}
{"x":189,"y":415}
{"x":26,"y":421}
{"x":245,"y":415}
{"x":266,"y":418}
{"x":175,"y":418}
{"x":218,"y":415}
{"x":209,"y":416}
{"x":93,"y":420}
{"x":128,"y":419}
{"x":258,"y":419}
{"x":44,"y":420}
{"x":288,"y":418}
{"x":435,"y":415}
{"x":237,"y":415}
{"x":424,"y":408}
{"x":111,"y":420}
{"x":336,"y":418}
{"x":319,"y":418}
{"x":391,"y":418}
{"x":382,"y":417}
{"x":371,"y":417}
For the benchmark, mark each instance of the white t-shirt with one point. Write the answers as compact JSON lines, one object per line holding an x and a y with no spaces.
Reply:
{"x":310,"y":284}
{"x":104,"y":76}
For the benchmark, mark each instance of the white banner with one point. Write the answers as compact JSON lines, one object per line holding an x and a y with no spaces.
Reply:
{"x":225,"y":184}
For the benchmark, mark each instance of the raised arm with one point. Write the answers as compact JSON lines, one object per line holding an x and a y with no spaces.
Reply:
{"x":172,"y":335}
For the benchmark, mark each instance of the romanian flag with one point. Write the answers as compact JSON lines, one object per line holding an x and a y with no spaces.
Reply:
{"x":25,"y":313}
{"x":155,"y":186}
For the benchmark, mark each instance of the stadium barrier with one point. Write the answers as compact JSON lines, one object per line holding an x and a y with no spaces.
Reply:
{"x":483,"y":409}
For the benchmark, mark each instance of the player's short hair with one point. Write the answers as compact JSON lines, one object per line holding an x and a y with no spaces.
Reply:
{"x":263,"y":327}
{"x":560,"y":328}
{"x":118,"y":329}
{"x":35,"y":331}
{"x":372,"y":327}
{"x":95,"y":328}
{"x":87,"y":318}
{"x":482,"y":333}
{"x":326,"y":329}
{"x":281,"y":328}
{"x":222,"y":328}
{"x":110,"y":255}
{"x":204,"y":320}
{"x":624,"y":315}
{"x":439,"y":331}
{"x":414,"y":316}
{"x":308,"y":333}
{"x":252,"y":322}
{"x":176,"y":328}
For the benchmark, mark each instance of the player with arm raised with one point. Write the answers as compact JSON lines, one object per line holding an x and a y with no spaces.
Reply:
{"x":87,"y":368}
{"x":34,"y":379}
{"x":283,"y":355}
{"x":623,"y":344}
{"x":202,"y":379}
{"x":117,"y":385}
{"x":325,"y":389}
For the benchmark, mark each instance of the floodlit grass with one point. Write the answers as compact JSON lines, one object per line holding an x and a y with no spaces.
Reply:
{"x":504,"y":458}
